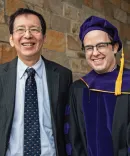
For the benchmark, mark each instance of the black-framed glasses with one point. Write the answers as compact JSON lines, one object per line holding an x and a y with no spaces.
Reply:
{"x":101,"y":47}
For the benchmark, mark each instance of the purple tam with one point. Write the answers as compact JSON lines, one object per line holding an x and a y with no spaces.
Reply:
{"x":97,"y":23}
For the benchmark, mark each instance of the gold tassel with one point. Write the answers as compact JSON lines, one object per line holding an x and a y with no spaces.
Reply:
{"x":118,"y":84}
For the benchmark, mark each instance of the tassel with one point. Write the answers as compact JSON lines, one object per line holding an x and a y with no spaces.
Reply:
{"x":118,"y":84}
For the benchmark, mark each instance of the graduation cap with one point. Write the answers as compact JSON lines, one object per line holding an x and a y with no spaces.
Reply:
{"x":97,"y":23}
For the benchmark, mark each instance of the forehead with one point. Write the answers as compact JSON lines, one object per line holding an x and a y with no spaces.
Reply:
{"x":26,"y":20}
{"x":96,"y":36}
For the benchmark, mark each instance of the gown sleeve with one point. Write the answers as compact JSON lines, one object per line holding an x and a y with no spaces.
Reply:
{"x":74,"y":128}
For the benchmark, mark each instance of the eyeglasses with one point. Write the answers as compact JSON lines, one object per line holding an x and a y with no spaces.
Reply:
{"x":101,"y":47}
{"x":32,"y":30}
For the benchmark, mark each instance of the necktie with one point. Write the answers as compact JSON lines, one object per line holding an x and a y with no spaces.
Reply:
{"x":32,"y":144}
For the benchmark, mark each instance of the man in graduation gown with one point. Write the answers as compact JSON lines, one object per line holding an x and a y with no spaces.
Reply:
{"x":97,"y":114}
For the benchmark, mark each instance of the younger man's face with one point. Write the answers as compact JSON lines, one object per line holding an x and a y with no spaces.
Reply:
{"x":103,"y":59}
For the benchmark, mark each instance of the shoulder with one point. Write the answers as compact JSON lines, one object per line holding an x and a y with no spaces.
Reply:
{"x":126,"y":70}
{"x":126,"y":74}
{"x":77,"y":87}
{"x":78,"y":84}
{"x":3,"y":67}
{"x":57,"y":67}
{"x":8,"y":66}
{"x":61,"y":68}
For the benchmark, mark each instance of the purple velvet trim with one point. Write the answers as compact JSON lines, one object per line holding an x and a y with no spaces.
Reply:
{"x":98,"y":110}
{"x":106,"y":81}
{"x":128,"y":149}
{"x":67,"y":110}
{"x":68,"y":149}
{"x":66,"y":128}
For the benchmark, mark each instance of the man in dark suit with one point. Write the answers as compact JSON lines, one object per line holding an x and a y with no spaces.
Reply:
{"x":33,"y":93}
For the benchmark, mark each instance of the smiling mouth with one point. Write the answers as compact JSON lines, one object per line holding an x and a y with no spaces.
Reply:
{"x":28,"y":44}
{"x":97,"y":60}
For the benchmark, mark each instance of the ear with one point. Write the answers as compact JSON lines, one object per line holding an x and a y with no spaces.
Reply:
{"x":11,"y":41}
{"x":115,"y":47}
{"x":44,"y":39}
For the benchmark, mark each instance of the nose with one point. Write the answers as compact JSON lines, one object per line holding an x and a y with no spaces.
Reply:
{"x":27,"y":34}
{"x":95,"y":51}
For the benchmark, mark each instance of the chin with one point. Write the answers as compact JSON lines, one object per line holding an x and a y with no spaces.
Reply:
{"x":99,"y":70}
{"x":29,"y":53}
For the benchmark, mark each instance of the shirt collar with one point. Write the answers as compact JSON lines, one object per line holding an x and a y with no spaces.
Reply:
{"x":21,"y":67}
{"x":38,"y":67}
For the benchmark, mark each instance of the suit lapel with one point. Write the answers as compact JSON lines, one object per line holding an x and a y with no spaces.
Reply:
{"x":8,"y":80}
{"x":53,"y":88}
{"x":53,"y":85}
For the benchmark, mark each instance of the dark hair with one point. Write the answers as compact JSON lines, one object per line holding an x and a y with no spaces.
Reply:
{"x":22,"y":11}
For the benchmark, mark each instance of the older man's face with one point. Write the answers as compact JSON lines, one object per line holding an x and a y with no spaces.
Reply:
{"x":27,"y":37}
{"x":102,"y":58}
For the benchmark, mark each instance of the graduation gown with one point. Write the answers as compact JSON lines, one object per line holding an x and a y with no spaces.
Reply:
{"x":97,"y":121}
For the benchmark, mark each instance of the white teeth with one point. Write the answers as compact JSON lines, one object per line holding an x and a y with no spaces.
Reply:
{"x":97,"y":60}
{"x":27,"y":44}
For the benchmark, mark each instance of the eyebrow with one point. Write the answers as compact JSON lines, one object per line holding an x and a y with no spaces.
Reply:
{"x":96,"y":44}
{"x":88,"y":46}
{"x":25,"y":26}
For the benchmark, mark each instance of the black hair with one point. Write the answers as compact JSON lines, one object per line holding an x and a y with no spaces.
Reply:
{"x":22,"y":11}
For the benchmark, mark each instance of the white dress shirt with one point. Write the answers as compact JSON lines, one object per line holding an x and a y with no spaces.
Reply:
{"x":16,"y":141}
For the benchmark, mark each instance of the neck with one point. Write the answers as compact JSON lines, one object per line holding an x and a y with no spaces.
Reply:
{"x":29,"y":61}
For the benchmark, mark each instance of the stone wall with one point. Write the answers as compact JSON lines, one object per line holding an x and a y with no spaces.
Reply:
{"x":63,"y":18}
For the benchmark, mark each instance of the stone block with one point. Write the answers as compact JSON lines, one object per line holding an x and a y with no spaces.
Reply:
{"x":129,"y":19}
{"x":12,"y":5}
{"x":128,"y":32}
{"x":125,"y":6}
{"x":46,"y":15}
{"x":120,"y":15}
{"x":75,"y":27}
{"x":108,"y":9}
{"x":88,"y":3}
{"x":29,"y":5}
{"x":7,"y":53}
{"x":84,"y":66}
{"x":73,"y":43}
{"x":79,"y":65}
{"x":60,"y":58}
{"x":70,"y":11}
{"x":123,"y":28}
{"x":87,"y":12}
{"x":98,"y":5}
{"x":125,"y":31}
{"x":2,"y":20}
{"x":54,"y":6}
{"x":35,"y":2}
{"x":77,"y":3}
{"x":4,"y":33}
{"x":75,"y":65}
{"x":73,"y":54}
{"x":80,"y":16}
{"x":127,"y":53}
{"x":55,"y":41}
{"x":117,"y":3}
{"x":60,"y":24}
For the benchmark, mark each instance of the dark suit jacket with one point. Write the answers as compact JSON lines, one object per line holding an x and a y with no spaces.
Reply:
{"x":58,"y":79}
